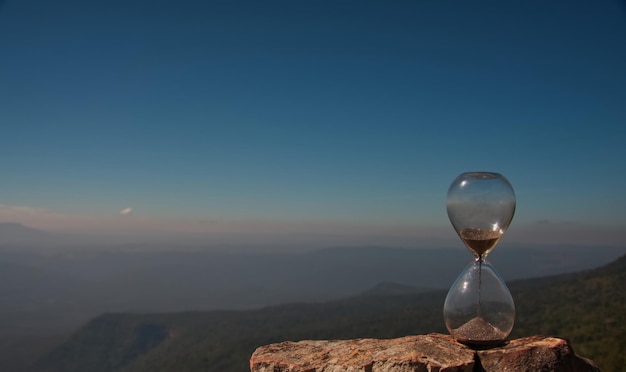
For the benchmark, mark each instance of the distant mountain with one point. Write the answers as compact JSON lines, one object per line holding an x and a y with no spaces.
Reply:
{"x":586,"y":307}
{"x":392,"y":289}
{"x":13,"y":233}
{"x":46,"y":290}
{"x":98,"y":281}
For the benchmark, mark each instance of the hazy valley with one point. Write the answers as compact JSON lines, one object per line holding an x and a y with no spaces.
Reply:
{"x":48,"y":291}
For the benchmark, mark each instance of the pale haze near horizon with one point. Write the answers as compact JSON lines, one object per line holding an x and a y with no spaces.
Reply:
{"x":310,"y":124}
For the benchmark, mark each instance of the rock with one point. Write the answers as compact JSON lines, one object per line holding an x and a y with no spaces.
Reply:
{"x":536,"y":353}
{"x":433,"y":352}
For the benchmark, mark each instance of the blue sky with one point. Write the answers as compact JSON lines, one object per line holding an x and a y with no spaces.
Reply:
{"x":315,"y":118}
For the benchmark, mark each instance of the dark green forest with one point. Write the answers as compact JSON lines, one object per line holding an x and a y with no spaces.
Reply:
{"x":588,"y":308}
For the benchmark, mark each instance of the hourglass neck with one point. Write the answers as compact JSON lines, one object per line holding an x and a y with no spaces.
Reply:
{"x":480,"y":258}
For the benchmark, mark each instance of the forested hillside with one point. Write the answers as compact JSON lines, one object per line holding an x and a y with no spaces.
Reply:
{"x":586,"y":307}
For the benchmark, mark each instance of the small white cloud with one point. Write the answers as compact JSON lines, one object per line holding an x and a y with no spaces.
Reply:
{"x":126,"y":211}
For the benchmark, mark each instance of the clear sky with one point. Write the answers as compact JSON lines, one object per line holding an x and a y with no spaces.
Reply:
{"x":345,"y":120}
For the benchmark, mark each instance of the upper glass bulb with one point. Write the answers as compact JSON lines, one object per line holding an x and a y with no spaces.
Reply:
{"x":480,"y":207}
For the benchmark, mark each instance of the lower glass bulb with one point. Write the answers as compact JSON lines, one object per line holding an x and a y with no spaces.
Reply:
{"x":479,"y":309}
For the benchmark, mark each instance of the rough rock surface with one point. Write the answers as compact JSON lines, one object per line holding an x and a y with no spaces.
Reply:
{"x":536,"y":353}
{"x":432,"y":352}
{"x":428,"y":353}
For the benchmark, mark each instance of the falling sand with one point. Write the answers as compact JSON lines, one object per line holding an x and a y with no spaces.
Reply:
{"x":480,"y":332}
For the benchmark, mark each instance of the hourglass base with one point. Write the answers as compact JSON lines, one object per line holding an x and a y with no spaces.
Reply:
{"x":480,"y":333}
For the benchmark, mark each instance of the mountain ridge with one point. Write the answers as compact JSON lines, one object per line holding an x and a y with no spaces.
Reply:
{"x":225,"y":339}
{"x":15,"y":233}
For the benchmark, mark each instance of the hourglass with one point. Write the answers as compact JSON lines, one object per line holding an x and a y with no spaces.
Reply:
{"x":479,"y":310}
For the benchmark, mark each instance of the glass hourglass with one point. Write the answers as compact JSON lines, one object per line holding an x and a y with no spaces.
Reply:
{"x":479,"y":310}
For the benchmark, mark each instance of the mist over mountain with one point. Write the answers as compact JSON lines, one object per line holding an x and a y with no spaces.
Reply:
{"x":88,"y":279}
